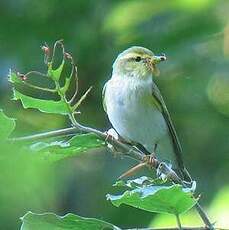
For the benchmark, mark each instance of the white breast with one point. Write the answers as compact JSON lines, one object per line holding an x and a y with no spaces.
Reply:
{"x":133,"y":119}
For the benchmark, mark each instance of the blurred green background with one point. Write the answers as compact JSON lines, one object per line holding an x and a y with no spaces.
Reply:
{"x":194,"y":34}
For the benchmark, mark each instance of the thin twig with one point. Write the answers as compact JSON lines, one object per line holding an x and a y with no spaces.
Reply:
{"x":74,"y":71}
{"x":81,"y":99}
{"x":178,"y":222}
{"x":36,"y":73}
{"x":38,"y":87}
{"x":54,"y":133}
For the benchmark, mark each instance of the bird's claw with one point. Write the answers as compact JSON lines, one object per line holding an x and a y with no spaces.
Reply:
{"x":159,"y":172}
{"x":190,"y":185}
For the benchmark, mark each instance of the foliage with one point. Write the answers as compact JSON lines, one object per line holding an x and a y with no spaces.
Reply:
{"x":48,"y":221}
{"x":152,"y":197}
{"x":194,"y":36}
{"x":76,"y":145}
{"x":155,"y":198}
{"x":6,"y":127}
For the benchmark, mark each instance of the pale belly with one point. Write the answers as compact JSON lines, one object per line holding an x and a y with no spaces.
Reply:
{"x":136,"y":121}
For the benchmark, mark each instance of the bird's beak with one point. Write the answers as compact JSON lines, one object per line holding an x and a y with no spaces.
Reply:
{"x":157,"y":59}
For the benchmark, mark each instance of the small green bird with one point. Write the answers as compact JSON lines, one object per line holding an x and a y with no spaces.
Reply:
{"x":136,"y":109}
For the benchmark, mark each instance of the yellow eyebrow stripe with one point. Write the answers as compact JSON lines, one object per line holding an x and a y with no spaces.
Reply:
{"x":134,"y":55}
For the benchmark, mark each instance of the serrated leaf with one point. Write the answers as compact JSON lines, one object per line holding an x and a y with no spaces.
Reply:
{"x":61,"y":149}
{"x":7,"y":125}
{"x":51,"y":221}
{"x":46,"y":106}
{"x":160,"y":199}
{"x":55,"y":73}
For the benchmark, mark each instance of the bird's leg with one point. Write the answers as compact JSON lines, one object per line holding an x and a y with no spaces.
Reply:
{"x":135,"y":168}
{"x":132,"y":170}
{"x":162,"y":169}
{"x":149,"y":160}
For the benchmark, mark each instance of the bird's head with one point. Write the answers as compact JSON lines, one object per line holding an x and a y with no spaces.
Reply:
{"x":137,"y":61}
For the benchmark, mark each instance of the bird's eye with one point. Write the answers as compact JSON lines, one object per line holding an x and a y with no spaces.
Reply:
{"x":138,"y":59}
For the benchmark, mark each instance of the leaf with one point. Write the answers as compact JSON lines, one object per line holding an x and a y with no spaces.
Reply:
{"x":160,"y":199}
{"x":7,"y":125}
{"x":51,"y":221}
{"x":61,"y":149}
{"x":55,"y":73}
{"x":68,"y":81}
{"x":138,"y":182}
{"x":47,"y":106}
{"x":66,"y":85}
{"x":13,"y":78}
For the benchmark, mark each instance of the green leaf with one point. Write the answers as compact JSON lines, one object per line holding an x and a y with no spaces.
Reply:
{"x":61,"y":149}
{"x":51,"y":221}
{"x":161,"y":199}
{"x":55,"y":73}
{"x":139,"y":182}
{"x":13,"y":78}
{"x":7,"y":125}
{"x":66,"y":85}
{"x":46,"y":106}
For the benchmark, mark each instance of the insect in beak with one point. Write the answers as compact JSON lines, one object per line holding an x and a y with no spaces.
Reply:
{"x":155,"y":60}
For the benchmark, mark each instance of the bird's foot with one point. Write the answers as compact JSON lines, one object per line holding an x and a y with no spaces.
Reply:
{"x":190,"y":185}
{"x":152,"y":159}
{"x":164,"y":171}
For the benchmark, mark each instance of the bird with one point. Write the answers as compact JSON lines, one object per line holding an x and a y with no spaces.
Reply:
{"x":136,"y":109}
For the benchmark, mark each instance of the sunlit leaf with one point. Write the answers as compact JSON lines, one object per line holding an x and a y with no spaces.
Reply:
{"x":161,"y":199}
{"x":51,"y":221}
{"x":47,"y":106}
{"x":55,"y":73}
{"x":7,"y":125}
{"x":57,"y":150}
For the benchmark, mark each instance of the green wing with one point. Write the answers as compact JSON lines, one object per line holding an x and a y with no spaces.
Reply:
{"x":176,"y":144}
{"x":104,"y":97}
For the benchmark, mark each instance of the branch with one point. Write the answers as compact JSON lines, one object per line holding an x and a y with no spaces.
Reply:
{"x":54,"y":133}
{"x":124,"y":149}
